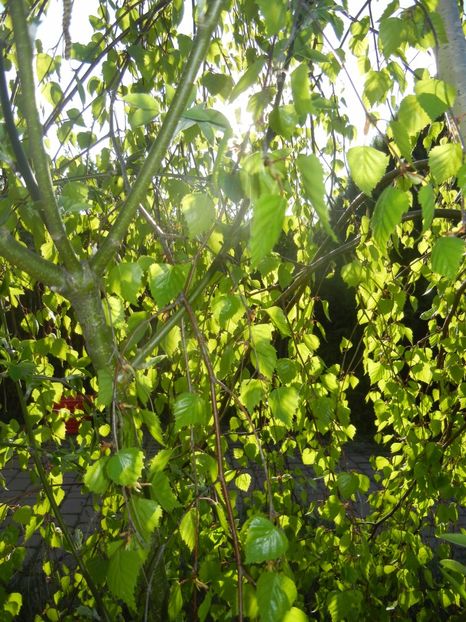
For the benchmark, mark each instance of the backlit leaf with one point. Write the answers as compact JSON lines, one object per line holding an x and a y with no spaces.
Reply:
{"x":95,"y":477}
{"x":268,"y":213}
{"x":284,"y":404}
{"x":122,"y":575}
{"x":199,"y":212}
{"x":390,"y":207}
{"x":312,"y":176}
{"x":188,"y":528}
{"x":427,"y":200}
{"x":125,"y":466}
{"x":248,"y":78}
{"x":367,"y":166}
{"x":445,"y":161}
{"x":447,"y":255}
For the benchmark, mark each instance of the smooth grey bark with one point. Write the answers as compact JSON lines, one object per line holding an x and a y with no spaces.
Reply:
{"x":451,"y":62}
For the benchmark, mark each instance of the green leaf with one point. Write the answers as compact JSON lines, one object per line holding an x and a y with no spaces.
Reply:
{"x":122,"y":576}
{"x":152,"y":423}
{"x":412,"y":115}
{"x":147,"y":107}
{"x":390,"y":207}
{"x":312,"y":177}
{"x":207,"y":115}
{"x":295,"y":615}
{"x":275,"y":595}
{"x":263,"y":354}
{"x":162,"y":493}
{"x":146,"y":515}
{"x":377,"y":85}
{"x":301,"y":90}
{"x":199,"y":212}
{"x":125,"y":280}
{"x":458,"y":539}
{"x":347,"y":484}
{"x":391,"y":34}
{"x":339,"y":603}
{"x":188,"y":528}
{"x":284,"y":404}
{"x":125,"y":466}
{"x":401,"y":139}
{"x":447,"y":256}
{"x":95,"y":477}
{"x":251,"y":393}
{"x":284,"y":120}
{"x":175,"y":602}
{"x":248,"y":78}
{"x":445,"y":161}
{"x":264,"y":541}
{"x":435,"y":96}
{"x":452,"y":564}
{"x":268,"y":213}
{"x":106,"y":387}
{"x":274,"y":15}
{"x":278,"y":317}
{"x":427,"y":200}
{"x":367,"y":166}
{"x":166,"y":281}
{"x":189,"y":409}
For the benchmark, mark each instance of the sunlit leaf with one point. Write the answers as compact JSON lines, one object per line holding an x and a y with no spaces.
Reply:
{"x":166,"y":281}
{"x":95,"y":477}
{"x":122,"y":576}
{"x":427,"y":200}
{"x":267,"y":221}
{"x":199,"y":212}
{"x":390,"y":207}
{"x":283,"y":403}
{"x":188,"y":528}
{"x":125,"y":466}
{"x":248,"y":78}
{"x":275,"y":595}
{"x":445,"y":161}
{"x":447,"y":256}
{"x":312,"y":176}
{"x":367,"y":166}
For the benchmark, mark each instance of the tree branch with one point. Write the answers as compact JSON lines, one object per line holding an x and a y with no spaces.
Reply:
{"x":159,"y":147}
{"x":47,"y":205}
{"x":30,"y":262}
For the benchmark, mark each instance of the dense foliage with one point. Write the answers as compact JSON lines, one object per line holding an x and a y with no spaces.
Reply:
{"x":230,"y":310}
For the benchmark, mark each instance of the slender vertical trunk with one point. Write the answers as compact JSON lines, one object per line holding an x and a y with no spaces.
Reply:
{"x":452,"y":60}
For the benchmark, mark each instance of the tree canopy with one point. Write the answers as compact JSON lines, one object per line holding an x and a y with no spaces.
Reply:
{"x":200,"y":312}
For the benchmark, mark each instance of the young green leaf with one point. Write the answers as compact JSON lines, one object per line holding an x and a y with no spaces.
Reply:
{"x":166,"y":281}
{"x":390,"y":207}
{"x":248,"y":78}
{"x":278,"y":317}
{"x":123,"y":572}
{"x":435,"y":96}
{"x":106,"y":382}
{"x":199,"y":212}
{"x":412,"y":115}
{"x":125,"y":279}
{"x":189,"y":409}
{"x":454,"y":538}
{"x":367,"y":166}
{"x":95,"y":477}
{"x":283,"y":403}
{"x":188,"y":528}
{"x":264,"y":541}
{"x":427,"y":200}
{"x":275,"y":14}
{"x":268,"y":213}
{"x":301,"y":90}
{"x":447,"y":255}
{"x":275,"y":595}
{"x":146,"y":515}
{"x":445,"y":161}
{"x":125,"y":466}
{"x":312,"y":177}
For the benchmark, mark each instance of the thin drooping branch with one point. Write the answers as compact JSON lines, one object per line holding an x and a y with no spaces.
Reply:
{"x":159,"y":147}
{"x":21,"y":160}
{"x":47,"y":203}
{"x":27,"y":260}
{"x":219,"y":452}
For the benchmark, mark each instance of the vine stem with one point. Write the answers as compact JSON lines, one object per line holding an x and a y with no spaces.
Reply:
{"x":219,"y":452}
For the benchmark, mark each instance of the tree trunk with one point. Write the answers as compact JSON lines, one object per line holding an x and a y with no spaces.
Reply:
{"x":452,"y":60}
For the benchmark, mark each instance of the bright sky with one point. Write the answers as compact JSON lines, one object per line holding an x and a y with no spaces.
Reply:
{"x":81,"y":31}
